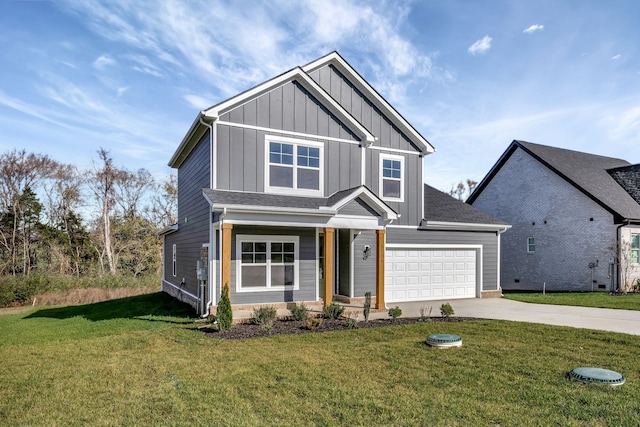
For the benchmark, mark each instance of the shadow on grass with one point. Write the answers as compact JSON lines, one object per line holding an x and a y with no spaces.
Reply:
{"x":144,"y":307}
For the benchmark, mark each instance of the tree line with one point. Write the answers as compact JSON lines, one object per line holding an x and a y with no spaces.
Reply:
{"x":57,"y":219}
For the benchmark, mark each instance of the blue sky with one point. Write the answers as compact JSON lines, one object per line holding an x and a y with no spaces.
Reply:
{"x":471,"y":76}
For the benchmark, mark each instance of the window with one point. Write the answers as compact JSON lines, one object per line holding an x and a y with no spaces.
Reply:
{"x":531,"y":244}
{"x":174,"y":260}
{"x":267,"y":263}
{"x":391,"y":177}
{"x":635,"y":248}
{"x":293,"y":165}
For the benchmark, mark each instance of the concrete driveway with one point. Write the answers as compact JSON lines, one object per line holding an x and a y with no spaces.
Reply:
{"x":625,"y":321}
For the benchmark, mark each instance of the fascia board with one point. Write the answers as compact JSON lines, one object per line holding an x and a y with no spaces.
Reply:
{"x":184,"y":148}
{"x":272,"y":209}
{"x":299,"y":75}
{"x":362,"y":85}
{"x":442,"y":225}
{"x":371,"y":198}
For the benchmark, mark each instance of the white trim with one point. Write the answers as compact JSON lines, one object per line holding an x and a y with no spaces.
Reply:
{"x":498,"y":266}
{"x":294,"y":191}
{"x":381,"y":178}
{"x":303,"y":78}
{"x":367,"y":89}
{"x":363,"y":162}
{"x":395,"y":150}
{"x":290,"y":133}
{"x":297,"y":221}
{"x":443,"y":225}
{"x":368,"y":196}
{"x":268,"y":239}
{"x":174,"y":260}
{"x":352,"y":262}
{"x":412,"y":227}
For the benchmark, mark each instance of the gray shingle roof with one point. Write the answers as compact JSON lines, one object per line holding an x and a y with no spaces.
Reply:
{"x":589,"y":173}
{"x":629,"y":179}
{"x":439,"y":206}
{"x":240,"y":198}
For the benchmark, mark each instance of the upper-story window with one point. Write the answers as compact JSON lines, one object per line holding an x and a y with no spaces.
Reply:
{"x":635,"y":248}
{"x":392,"y":177}
{"x":293,"y":166}
{"x":531,"y":244}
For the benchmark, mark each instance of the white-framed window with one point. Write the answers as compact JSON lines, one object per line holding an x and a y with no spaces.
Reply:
{"x":531,"y":244}
{"x":294,"y":166}
{"x":266,"y":263}
{"x":173,"y":260}
{"x":391,"y":177}
{"x":635,"y":248}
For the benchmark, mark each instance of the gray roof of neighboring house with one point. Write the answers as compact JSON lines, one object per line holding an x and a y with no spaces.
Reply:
{"x":441,"y":207}
{"x":629,"y":178}
{"x":587,"y":172}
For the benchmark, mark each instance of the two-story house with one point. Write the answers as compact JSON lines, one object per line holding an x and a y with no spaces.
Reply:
{"x":308,"y":188}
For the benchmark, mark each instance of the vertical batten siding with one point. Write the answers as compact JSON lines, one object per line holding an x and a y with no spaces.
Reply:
{"x":344,"y":262}
{"x":488,"y":240}
{"x":364,"y":276}
{"x":307,"y":267}
{"x":193,"y":176}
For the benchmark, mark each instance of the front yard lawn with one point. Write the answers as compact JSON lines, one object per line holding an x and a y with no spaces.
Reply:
{"x":102,"y":365}
{"x":582,"y":299}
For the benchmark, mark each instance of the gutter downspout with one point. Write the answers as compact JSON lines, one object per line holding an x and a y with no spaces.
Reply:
{"x":210,"y":301}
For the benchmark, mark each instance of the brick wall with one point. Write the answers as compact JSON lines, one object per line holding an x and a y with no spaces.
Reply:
{"x":570,"y":230}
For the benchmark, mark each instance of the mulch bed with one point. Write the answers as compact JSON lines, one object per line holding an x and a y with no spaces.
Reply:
{"x":289,"y":327}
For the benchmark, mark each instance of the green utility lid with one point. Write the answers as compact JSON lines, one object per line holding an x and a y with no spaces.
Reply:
{"x":597,"y":375}
{"x":444,"y":340}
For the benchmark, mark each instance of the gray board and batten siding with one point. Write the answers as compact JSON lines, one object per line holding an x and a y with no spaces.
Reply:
{"x":487,"y":239}
{"x":193,"y":218}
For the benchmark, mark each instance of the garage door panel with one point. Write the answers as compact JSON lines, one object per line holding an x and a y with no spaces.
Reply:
{"x":415,"y":275}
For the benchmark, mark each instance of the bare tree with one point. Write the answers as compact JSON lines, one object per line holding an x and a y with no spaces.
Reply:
{"x":164,"y":203}
{"x":102,"y":182}
{"x":462,"y":191}
{"x":131,"y":190}
{"x":21,"y":174}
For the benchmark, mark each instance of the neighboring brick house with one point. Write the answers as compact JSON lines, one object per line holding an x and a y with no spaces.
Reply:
{"x":575,"y":218}
{"x":309,"y":188}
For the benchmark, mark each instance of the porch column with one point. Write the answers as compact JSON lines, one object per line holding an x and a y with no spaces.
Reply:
{"x":380,"y":269}
{"x":225,"y":256}
{"x":328,"y":265}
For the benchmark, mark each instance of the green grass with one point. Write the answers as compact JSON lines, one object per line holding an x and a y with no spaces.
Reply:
{"x":141,"y":361}
{"x":582,"y":299}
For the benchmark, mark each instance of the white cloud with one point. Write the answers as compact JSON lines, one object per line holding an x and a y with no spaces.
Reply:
{"x":481,"y":46}
{"x":616,"y":57}
{"x":121,"y":91}
{"x":102,"y":62}
{"x":197,"y":101}
{"x":533,"y":28}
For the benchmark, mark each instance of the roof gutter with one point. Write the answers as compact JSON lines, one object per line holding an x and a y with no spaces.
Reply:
{"x":443,"y":225}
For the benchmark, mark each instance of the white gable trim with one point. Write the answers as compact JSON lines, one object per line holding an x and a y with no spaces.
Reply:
{"x":301,"y":77}
{"x":373,"y":201}
{"x":336,"y":60}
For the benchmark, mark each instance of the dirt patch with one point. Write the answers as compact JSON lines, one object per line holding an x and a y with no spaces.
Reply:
{"x":290,"y":327}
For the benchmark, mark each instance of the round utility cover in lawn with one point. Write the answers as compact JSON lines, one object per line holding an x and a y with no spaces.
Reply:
{"x":444,"y":340}
{"x":597,"y":375}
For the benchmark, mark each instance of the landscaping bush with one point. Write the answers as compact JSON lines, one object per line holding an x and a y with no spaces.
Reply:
{"x":313,"y":323}
{"x":395,"y":312}
{"x":425,"y":314}
{"x":351,"y":320}
{"x":224,"y":315}
{"x":299,"y":312}
{"x":333,"y":311}
{"x":264,"y":316}
{"x":446,"y":310}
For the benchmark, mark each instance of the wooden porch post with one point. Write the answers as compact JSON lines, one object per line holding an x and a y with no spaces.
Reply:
{"x":380,"y":269}
{"x":328,"y":265}
{"x":226,"y":256}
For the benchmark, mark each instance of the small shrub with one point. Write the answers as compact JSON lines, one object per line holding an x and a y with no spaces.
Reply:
{"x":395,"y":312}
{"x":351,"y":321}
{"x":224,"y":314}
{"x":264,"y":316}
{"x":425,"y":314}
{"x":333,"y":311}
{"x":299,"y":312}
{"x":313,"y":323}
{"x":446,"y":310}
{"x":367,"y":305}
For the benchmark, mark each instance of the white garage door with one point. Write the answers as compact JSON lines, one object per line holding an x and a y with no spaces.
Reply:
{"x":426,"y":274}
